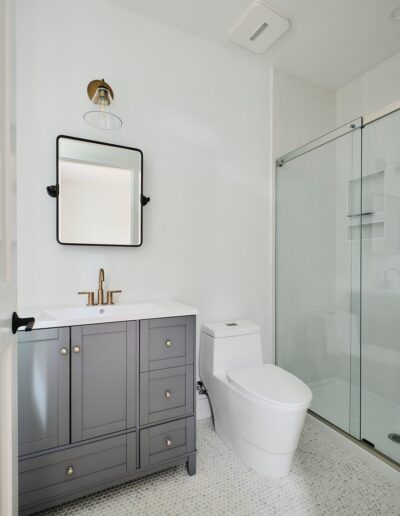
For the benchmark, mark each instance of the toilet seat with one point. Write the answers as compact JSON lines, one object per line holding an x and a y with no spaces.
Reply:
{"x":269,"y":383}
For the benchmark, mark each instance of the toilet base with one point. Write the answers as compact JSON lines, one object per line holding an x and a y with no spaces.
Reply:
{"x":273,"y":465}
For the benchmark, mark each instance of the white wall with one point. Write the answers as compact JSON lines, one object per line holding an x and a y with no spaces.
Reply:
{"x":372,"y":91}
{"x":302,"y":111}
{"x":200,"y":113}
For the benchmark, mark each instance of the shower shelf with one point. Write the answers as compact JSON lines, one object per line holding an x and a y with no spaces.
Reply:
{"x":373,"y":217}
{"x":373,"y":193}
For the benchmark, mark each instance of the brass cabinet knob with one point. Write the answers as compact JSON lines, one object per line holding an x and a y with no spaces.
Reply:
{"x":70,"y":471}
{"x":168,"y":442}
{"x":90,"y":295}
{"x":168,"y":343}
{"x":110,"y":294}
{"x":76,"y":349}
{"x":168,"y":394}
{"x":64,"y":351}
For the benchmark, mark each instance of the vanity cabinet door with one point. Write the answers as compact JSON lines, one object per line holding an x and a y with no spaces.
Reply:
{"x":103,"y":379}
{"x":43,"y":389}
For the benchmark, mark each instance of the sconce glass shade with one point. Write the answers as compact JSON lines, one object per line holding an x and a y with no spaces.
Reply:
{"x":102,"y":120}
{"x":102,"y":117}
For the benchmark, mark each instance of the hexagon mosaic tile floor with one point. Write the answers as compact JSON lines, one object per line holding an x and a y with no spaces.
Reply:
{"x":326,"y":480}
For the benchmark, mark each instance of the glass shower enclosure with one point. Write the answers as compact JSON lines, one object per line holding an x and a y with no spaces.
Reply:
{"x":338,"y":277}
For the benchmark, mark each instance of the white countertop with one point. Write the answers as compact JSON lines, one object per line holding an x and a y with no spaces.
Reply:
{"x":76,"y":315}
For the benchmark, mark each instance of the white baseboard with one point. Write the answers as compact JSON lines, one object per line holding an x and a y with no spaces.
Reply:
{"x":392,"y":473}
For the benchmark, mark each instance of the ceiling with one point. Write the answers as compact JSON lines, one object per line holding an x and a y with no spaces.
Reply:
{"x":330,"y":42}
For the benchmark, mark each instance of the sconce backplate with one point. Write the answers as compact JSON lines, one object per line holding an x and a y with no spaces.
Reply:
{"x":93,"y":86}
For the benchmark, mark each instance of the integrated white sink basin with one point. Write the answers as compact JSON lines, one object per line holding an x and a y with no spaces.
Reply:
{"x":51,"y":317}
{"x":123,"y":312}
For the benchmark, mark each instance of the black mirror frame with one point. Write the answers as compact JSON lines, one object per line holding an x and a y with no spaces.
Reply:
{"x":53,"y":191}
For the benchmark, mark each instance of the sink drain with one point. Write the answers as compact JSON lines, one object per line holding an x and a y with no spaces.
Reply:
{"x":395,"y":438}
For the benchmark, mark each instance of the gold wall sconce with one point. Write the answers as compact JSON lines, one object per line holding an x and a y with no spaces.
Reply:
{"x":102,"y":96}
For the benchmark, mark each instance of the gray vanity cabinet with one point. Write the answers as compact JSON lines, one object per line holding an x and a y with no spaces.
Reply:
{"x":102,"y":404}
{"x":103,"y":379}
{"x":43,"y":389}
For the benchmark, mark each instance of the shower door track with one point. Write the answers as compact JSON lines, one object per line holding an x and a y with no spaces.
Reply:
{"x":358,"y":442}
{"x":381,"y":113}
{"x":357,"y":123}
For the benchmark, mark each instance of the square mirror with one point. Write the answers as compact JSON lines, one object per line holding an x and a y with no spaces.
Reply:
{"x":99,"y":193}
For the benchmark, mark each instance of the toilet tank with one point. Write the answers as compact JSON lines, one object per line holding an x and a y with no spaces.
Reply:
{"x":229,"y":345}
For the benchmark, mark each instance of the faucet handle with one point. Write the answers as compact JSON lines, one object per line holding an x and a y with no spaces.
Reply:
{"x":90,"y":300}
{"x":110,"y":293}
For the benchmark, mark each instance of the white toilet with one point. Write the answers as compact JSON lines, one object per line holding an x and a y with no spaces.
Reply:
{"x":259,"y":409}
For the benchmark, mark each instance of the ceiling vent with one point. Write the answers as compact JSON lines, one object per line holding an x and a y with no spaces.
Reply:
{"x":258,"y":28}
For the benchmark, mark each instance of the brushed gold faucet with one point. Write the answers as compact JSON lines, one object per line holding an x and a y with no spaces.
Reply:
{"x":110,"y":294}
{"x":100,"y":293}
{"x":90,"y":300}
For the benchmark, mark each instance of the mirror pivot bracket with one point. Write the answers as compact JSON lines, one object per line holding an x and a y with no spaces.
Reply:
{"x":52,"y":190}
{"x":144,"y":200}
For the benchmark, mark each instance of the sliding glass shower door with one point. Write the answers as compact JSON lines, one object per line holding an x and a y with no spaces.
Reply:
{"x":380,"y":301}
{"x":318,"y":217}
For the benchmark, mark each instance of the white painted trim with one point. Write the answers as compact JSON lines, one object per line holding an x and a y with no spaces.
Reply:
{"x":8,"y":431}
{"x":379,"y":464}
{"x":8,"y":342}
{"x":272,"y":271}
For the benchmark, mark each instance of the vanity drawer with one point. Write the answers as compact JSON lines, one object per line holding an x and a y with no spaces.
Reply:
{"x":59,"y":473}
{"x":167,"y":342}
{"x":164,"y":442}
{"x":166,"y":394}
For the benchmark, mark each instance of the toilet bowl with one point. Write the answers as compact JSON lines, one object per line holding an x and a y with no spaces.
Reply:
{"x":259,"y":409}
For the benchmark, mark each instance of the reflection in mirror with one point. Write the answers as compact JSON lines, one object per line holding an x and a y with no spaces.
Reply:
{"x":99,"y":193}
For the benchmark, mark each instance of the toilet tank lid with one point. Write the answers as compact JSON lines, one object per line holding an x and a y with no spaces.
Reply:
{"x":230,"y":328}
